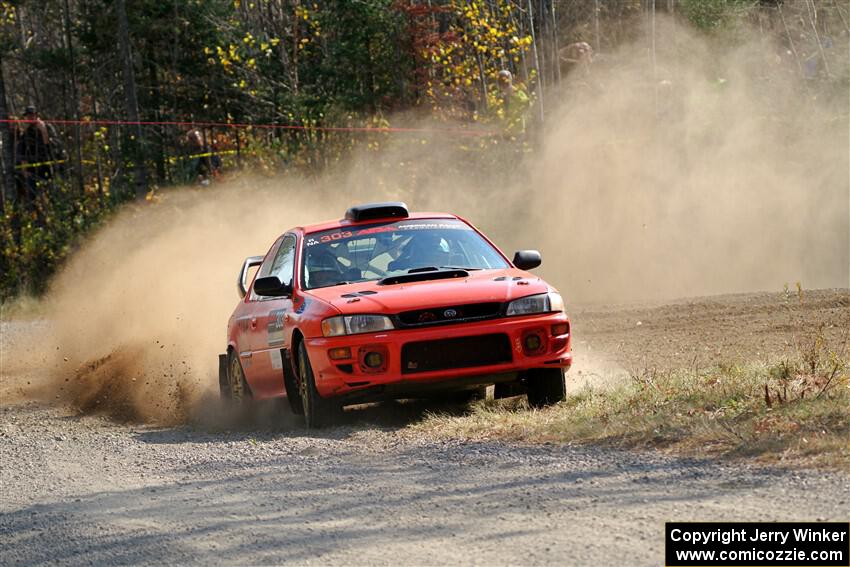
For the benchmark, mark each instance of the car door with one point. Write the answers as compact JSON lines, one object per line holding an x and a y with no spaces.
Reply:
{"x":268,"y":321}
{"x":246,"y":317}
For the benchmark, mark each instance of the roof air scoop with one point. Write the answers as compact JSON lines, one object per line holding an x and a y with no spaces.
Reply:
{"x":371,"y":211}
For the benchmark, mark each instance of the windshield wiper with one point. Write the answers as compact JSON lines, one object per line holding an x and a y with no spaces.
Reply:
{"x":330,"y":285}
{"x":435,"y":269}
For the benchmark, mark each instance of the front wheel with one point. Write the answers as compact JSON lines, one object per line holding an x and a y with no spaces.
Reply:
{"x":318,"y":411}
{"x":546,"y":386}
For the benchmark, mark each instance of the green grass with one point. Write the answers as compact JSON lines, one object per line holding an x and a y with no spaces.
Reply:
{"x":770,"y":412}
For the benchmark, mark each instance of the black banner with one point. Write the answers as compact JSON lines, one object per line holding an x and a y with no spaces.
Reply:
{"x":757,"y":544}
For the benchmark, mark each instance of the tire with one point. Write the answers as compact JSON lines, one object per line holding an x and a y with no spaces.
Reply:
{"x":546,"y":386}
{"x":239,"y":392}
{"x":318,"y":411}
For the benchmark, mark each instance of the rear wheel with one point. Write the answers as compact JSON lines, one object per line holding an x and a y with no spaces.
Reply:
{"x":546,"y":386}
{"x":318,"y":411}
{"x":240,"y":393}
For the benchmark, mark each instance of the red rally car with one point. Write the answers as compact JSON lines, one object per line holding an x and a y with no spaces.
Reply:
{"x":386,"y":304}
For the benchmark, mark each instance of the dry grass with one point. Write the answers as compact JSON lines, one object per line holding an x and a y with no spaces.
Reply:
{"x":792,"y":411}
{"x":23,"y":307}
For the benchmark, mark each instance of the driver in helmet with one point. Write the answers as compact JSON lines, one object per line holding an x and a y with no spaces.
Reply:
{"x":427,"y":249}
{"x":323,"y":269}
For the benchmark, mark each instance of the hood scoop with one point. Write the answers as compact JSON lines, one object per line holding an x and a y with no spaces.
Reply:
{"x":504,"y":278}
{"x":424,"y":276}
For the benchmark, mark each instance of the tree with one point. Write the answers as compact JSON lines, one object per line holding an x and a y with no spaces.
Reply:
{"x":78,"y":145}
{"x":137,"y":141}
{"x":7,"y":44}
{"x":8,"y":190}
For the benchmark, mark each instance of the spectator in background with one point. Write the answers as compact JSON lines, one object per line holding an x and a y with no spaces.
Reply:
{"x":814,"y":64}
{"x":215,"y":157}
{"x":36,"y":155}
{"x":200,"y":162}
{"x":515,"y":104}
{"x":578,"y":54}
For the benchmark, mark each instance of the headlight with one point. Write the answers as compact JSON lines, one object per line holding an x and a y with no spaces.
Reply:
{"x":541,"y":303}
{"x":355,"y":324}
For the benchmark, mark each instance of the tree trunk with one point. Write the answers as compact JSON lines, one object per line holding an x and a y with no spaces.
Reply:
{"x":7,"y":192}
{"x":78,"y":153}
{"x":159,"y":131}
{"x":596,"y":26}
{"x":540,"y":85}
{"x":131,"y":101}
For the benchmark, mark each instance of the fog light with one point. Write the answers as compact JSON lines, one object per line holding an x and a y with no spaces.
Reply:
{"x":532,"y":343}
{"x":339,"y":353}
{"x":560,"y":329}
{"x":373,"y":360}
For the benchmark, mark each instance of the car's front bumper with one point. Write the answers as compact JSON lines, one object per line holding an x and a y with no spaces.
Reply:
{"x":346,"y":377}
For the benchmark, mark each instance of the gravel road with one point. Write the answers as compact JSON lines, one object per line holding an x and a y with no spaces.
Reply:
{"x":83,"y":489}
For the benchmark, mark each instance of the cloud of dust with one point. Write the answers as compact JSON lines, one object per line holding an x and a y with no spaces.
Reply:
{"x":140,"y":313}
{"x":715,"y":170}
{"x":651,"y":183}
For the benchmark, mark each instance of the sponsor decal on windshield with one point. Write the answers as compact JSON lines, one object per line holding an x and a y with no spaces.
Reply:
{"x":346,"y":234}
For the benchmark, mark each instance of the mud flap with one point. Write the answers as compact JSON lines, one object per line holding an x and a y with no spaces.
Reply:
{"x":223,"y":384}
{"x":290,"y":383}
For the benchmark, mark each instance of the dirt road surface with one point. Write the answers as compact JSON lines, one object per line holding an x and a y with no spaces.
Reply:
{"x":81,"y":489}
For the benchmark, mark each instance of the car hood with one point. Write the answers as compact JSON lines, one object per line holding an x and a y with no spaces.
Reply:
{"x":479,"y":287}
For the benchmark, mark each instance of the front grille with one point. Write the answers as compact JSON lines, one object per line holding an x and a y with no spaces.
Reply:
{"x":462,"y":352}
{"x":450,"y":314}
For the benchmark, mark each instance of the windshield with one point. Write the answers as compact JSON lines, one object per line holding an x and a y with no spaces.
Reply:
{"x":356,"y":254}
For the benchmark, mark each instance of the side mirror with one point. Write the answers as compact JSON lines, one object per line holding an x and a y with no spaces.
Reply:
{"x":271,"y":286}
{"x":242,"y":280}
{"x":527,"y":259}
